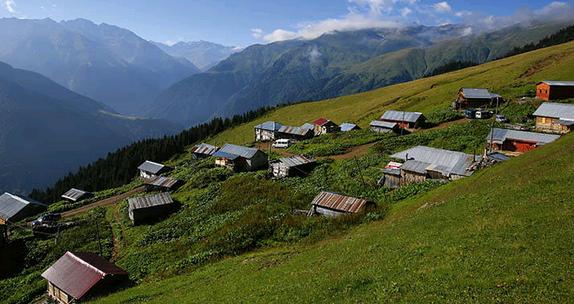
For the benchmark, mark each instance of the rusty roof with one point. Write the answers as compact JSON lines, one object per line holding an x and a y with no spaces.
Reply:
{"x":77,"y":273}
{"x":161,"y":181}
{"x":149,"y":201}
{"x":339,"y":202}
{"x":205,"y":149}
{"x":321,"y":121}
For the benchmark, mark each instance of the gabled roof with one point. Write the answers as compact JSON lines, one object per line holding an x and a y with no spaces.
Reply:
{"x":402,"y":116}
{"x":74,"y":194}
{"x":307,"y":126}
{"x":383,"y":124}
{"x":443,"y":161}
{"x":478,"y":93}
{"x":11,"y":205}
{"x":346,"y":127}
{"x":558,"y":83}
{"x":149,"y":201}
{"x":151,"y":167}
{"x":205,"y":149}
{"x":234,"y":151}
{"x":294,"y":130}
{"x":562,"y":111}
{"x":339,"y":202}
{"x":296,"y":161}
{"x":161,"y":181}
{"x":501,"y":135}
{"x":269,"y":126}
{"x":322,"y":121}
{"x":77,"y":273}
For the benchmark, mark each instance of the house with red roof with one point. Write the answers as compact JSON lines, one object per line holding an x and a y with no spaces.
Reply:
{"x":325,"y":126}
{"x":77,"y":276}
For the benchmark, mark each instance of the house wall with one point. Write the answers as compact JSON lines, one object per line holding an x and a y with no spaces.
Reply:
{"x":141,"y":215}
{"x":146,"y":175}
{"x":381,"y":130}
{"x":224,"y":162}
{"x":551,"y":125}
{"x":543,"y":91}
{"x":264,"y":135}
{"x":547,"y":92}
{"x":58,"y":295}
{"x":257,"y":162}
{"x":518,"y":146}
{"x":392,"y":181}
{"x":408,"y":178}
{"x":327,"y":212}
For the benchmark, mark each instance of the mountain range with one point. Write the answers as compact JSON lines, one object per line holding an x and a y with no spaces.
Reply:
{"x":203,"y":54}
{"x":47,"y":130}
{"x":332,"y":65}
{"x":104,"y":62}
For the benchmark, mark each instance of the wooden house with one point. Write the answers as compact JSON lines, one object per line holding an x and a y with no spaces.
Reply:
{"x":333,"y":204}
{"x":347,"y":127}
{"x":240,"y":158}
{"x":203,"y":150}
{"x":267,"y":131}
{"x":296,"y":133}
{"x":325,"y":126}
{"x":162,"y":183}
{"x":78,"y":276}
{"x":555,"y":118}
{"x":555,"y":90}
{"x":150,"y":169}
{"x":14,"y":208}
{"x":404,"y":120}
{"x":383,"y":126}
{"x":75,"y":195}
{"x":391,"y":175}
{"x":518,"y":141}
{"x":147,"y":208}
{"x":476,"y":98}
{"x":292,"y":166}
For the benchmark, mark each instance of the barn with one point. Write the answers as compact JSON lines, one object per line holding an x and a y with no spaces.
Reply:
{"x":203,"y":150}
{"x":292,"y":166}
{"x":555,"y":90}
{"x":162,"y":183}
{"x":476,"y":98}
{"x":404,"y":120}
{"x":78,"y":276}
{"x":75,"y":195}
{"x":147,"y":208}
{"x":518,"y":141}
{"x":555,"y":117}
{"x":333,"y":204}
{"x":383,"y":126}
{"x":267,"y":131}
{"x":14,"y":208}
{"x":150,"y":169}
{"x":347,"y":127}
{"x":325,"y":126}
{"x":240,"y":158}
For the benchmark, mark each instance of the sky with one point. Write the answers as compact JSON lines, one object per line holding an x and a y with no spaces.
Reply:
{"x":244,"y":22}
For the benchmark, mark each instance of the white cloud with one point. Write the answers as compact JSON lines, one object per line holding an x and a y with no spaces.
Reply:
{"x":257,"y":33}
{"x":10,"y":6}
{"x":405,"y":11}
{"x":442,"y":7}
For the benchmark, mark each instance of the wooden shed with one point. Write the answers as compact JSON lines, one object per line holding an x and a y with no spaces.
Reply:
{"x":383,"y":126}
{"x":333,"y":204}
{"x":404,"y":120}
{"x":149,"y":169}
{"x":75,"y":195}
{"x":203,"y":150}
{"x":476,"y":98}
{"x":555,"y":117}
{"x":296,"y":133}
{"x":240,"y":158}
{"x":292,"y":166}
{"x":325,"y":126}
{"x":555,"y":90}
{"x":162,"y":183}
{"x":151,"y":207}
{"x":347,"y":127}
{"x":518,"y":141}
{"x":78,"y":276}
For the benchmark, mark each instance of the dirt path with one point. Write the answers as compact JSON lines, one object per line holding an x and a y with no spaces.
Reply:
{"x":105,"y":202}
{"x":354,"y":152}
{"x":119,"y":240}
{"x":450,"y":123}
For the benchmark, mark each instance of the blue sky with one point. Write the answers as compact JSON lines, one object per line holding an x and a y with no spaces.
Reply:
{"x":244,"y":22}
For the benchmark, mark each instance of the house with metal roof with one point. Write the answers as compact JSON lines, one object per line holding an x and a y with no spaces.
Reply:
{"x":241,"y":158}
{"x":333,"y":204}
{"x":555,"y":90}
{"x":78,"y":276}
{"x":296,"y":133}
{"x":149,"y":169}
{"x":293,"y":166}
{"x":476,"y":98}
{"x":325,"y":126}
{"x":162,"y":183}
{"x":383,"y":126}
{"x":518,"y":141}
{"x":14,"y":208}
{"x":75,"y":195}
{"x":347,"y":127}
{"x":405,"y":120}
{"x":555,"y":117}
{"x":267,"y":131}
{"x":203,"y":150}
{"x":150,"y":207}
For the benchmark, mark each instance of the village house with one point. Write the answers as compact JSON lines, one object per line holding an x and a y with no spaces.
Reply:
{"x":421,"y":163}
{"x":203,"y":150}
{"x":146,"y":208}
{"x":518,"y":141}
{"x":325,"y":126}
{"x":555,"y":90}
{"x":347,"y":127}
{"x":292,"y":166}
{"x":14,"y":208}
{"x":162,"y":183}
{"x":404,"y":120}
{"x":475,"y":98}
{"x":555,"y":117}
{"x":150,"y":169}
{"x":383,"y":126}
{"x":241,"y":158}
{"x":78,"y":276}
{"x":296,"y":133}
{"x":75,"y":195}
{"x":333,"y":204}
{"x":267,"y":131}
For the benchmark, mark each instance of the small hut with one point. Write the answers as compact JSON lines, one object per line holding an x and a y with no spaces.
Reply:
{"x":292,"y":166}
{"x":162,"y":183}
{"x":325,"y":126}
{"x":75,"y":195}
{"x":149,"y":169}
{"x":296,"y":133}
{"x":347,"y":127}
{"x":405,"y":120}
{"x":383,"y":126}
{"x":240,"y":158}
{"x":555,"y":118}
{"x":475,"y":98}
{"x":203,"y":150}
{"x":333,"y":204}
{"x":267,"y":131}
{"x":518,"y":141}
{"x":151,"y":207}
{"x":14,"y":208}
{"x":555,"y":90}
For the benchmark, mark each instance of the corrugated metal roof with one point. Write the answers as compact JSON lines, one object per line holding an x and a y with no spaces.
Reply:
{"x":346,"y":127}
{"x":383,"y":124}
{"x":401,"y":116}
{"x":11,"y":204}
{"x":74,"y":194}
{"x":321,"y":121}
{"x":269,"y":126}
{"x":501,"y":135}
{"x":445,"y":161}
{"x":339,"y":202}
{"x":393,"y":168}
{"x":294,"y":130}
{"x":308,"y":126}
{"x":558,"y":83}
{"x":230,"y":149}
{"x":77,"y":273}
{"x":296,"y":161}
{"x":151,"y":167}
{"x":161,"y":181}
{"x":149,"y":201}
{"x":415,"y":166}
{"x":478,"y":93}
{"x":205,"y":149}
{"x":556,"y":110}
